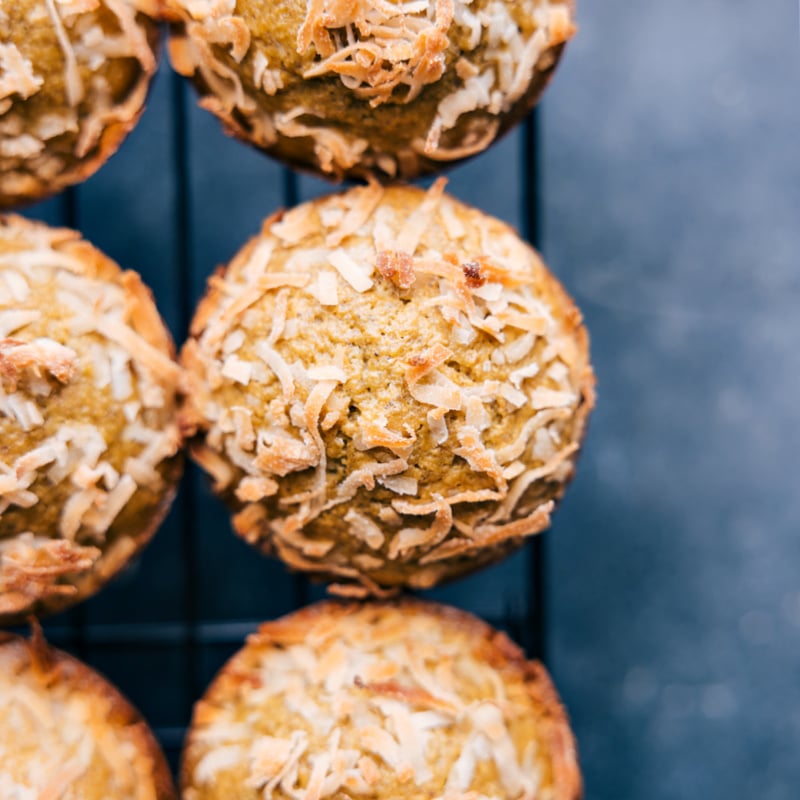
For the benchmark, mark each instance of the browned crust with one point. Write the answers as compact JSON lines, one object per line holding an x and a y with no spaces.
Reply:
{"x":148,"y":323}
{"x":490,"y":645}
{"x":53,"y":666}
{"x":110,"y":139}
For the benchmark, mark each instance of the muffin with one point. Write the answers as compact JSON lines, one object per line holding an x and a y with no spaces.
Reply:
{"x":89,"y":438}
{"x":393,"y":90}
{"x":389,"y":387}
{"x":67,"y":733}
{"x":73,"y":80}
{"x":408,"y":700}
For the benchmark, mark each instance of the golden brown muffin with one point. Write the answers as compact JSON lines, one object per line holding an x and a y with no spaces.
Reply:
{"x":67,"y":733}
{"x":389,"y":386}
{"x":350,"y":88}
{"x":88,"y":427}
{"x":73,"y":80}
{"x":409,"y":700}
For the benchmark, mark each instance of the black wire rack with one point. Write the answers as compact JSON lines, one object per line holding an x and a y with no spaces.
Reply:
{"x":161,"y":641}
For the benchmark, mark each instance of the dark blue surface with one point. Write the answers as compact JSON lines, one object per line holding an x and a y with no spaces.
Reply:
{"x":671,"y":210}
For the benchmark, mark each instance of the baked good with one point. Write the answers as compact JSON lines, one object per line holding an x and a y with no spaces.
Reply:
{"x":407,"y":700}
{"x":73,"y":80}
{"x":68,"y":733}
{"x":89,"y":438}
{"x":353,"y":88}
{"x":388,"y":386}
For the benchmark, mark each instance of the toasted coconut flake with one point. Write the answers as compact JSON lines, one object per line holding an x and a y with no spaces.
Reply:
{"x":396,"y":266}
{"x":40,"y":356}
{"x":412,"y":538}
{"x":313,"y":407}
{"x":514,"y":396}
{"x":437,"y":423}
{"x":421,"y":365}
{"x":364,"y":529}
{"x":237,"y":370}
{"x":100,"y":520}
{"x":419,"y":219}
{"x":243,"y":425}
{"x":280,"y":454}
{"x":375,"y":433}
{"x":355,"y":274}
{"x":365,"y":476}
{"x":253,"y":489}
{"x":440,"y":392}
{"x":214,"y":464}
{"x":540,"y":419}
{"x":16,"y":73}
{"x":275,"y":361}
{"x":365,"y":200}
{"x":163,"y":367}
{"x":327,"y":289}
{"x":401,"y":484}
{"x":542,"y":398}
{"x":72,"y":78}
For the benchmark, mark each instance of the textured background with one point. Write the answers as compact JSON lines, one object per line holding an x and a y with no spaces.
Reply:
{"x":671,"y":209}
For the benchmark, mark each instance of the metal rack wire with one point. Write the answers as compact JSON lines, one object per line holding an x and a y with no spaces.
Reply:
{"x":197,"y":643}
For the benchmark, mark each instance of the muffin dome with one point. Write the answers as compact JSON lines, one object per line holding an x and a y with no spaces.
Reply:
{"x":73,"y":80}
{"x":66,"y":732}
{"x":410,"y":700}
{"x":88,"y":424}
{"x":389,"y":387}
{"x":394,"y":90}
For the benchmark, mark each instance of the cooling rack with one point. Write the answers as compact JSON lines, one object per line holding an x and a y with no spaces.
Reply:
{"x":177,"y":200}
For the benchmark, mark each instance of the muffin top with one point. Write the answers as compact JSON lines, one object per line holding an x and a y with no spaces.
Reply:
{"x":88,"y":423}
{"x":356,"y":88}
{"x":73,"y":80}
{"x":376,"y":700}
{"x":67,"y":733}
{"x":389,"y":386}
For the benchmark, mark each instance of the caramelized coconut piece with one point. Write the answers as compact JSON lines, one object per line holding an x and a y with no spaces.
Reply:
{"x":66,"y":732}
{"x":73,"y":79}
{"x":88,"y":426}
{"x":389,"y":387}
{"x":408,"y":700}
{"x":388,"y":89}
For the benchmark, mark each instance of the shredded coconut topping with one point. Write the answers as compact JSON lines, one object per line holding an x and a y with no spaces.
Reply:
{"x":376,"y":47}
{"x":383,"y":701}
{"x":85,"y":39}
{"x":375,"y":393}
{"x":66,"y":734}
{"x":479,"y":56}
{"x":100,"y":356}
